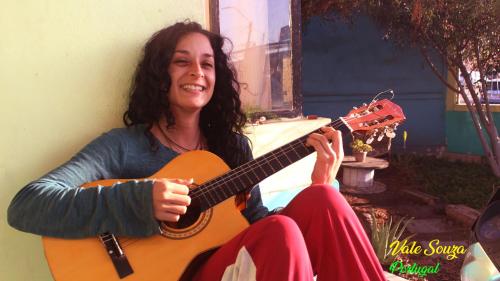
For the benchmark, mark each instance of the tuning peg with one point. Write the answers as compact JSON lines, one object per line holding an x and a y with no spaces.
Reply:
{"x":380,"y":137}
{"x":390,"y":133}
{"x":354,"y":107}
{"x":369,"y":140}
{"x":395,"y":126}
{"x":364,"y":104}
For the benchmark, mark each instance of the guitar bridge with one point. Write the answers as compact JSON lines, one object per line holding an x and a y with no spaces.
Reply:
{"x":115,"y":252}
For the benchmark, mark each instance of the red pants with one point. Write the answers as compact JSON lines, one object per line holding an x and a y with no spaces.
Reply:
{"x":318,"y":233}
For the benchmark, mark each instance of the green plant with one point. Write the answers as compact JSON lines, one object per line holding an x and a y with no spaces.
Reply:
{"x":454,"y":181}
{"x":359,"y":146}
{"x":254,"y":113}
{"x":384,"y":234}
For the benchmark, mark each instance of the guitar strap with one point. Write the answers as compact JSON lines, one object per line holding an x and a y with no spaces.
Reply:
{"x":115,"y":252}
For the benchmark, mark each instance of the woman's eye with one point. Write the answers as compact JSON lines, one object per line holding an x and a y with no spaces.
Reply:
{"x":208,"y":64}
{"x":181,"y":62}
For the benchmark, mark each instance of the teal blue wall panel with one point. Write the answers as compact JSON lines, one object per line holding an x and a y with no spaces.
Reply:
{"x":461,"y":134}
{"x":344,"y":66}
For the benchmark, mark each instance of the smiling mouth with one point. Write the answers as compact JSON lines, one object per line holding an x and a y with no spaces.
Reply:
{"x":193,"y":87}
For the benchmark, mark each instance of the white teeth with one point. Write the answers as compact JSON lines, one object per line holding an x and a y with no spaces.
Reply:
{"x":193,"y":87}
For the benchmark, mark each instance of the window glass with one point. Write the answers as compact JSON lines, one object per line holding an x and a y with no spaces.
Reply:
{"x":260,"y":31}
{"x":492,"y":88}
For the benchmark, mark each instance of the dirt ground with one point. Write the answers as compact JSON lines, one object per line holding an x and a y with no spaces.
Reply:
{"x":393,"y":203}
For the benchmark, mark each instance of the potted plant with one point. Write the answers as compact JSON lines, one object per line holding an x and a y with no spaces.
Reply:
{"x":360,"y":149}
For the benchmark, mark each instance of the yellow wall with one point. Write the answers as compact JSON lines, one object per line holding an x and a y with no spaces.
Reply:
{"x":65,"y":68}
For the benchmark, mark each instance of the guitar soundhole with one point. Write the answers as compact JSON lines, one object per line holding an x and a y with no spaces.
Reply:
{"x":188,"y":219}
{"x":189,"y":224}
{"x":191,"y":216}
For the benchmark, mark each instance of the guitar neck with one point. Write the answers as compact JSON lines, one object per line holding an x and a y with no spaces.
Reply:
{"x":251,"y":173}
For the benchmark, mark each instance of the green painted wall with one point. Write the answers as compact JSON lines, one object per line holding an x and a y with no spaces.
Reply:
{"x":65,"y":69}
{"x":461,"y":135}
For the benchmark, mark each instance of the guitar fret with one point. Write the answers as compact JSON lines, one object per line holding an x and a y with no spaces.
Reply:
{"x":257,"y":178}
{"x":265,"y":161}
{"x":305,"y":149}
{"x":294,"y":149}
{"x":230,"y":185}
{"x":105,"y":237}
{"x":220,"y":195}
{"x":234,"y":189}
{"x":223,"y":193}
{"x":260,"y":170}
{"x":295,"y":155}
{"x":201,"y":197}
{"x":283,"y":158}
{"x":208,"y":196}
{"x":275,"y":162}
{"x":216,"y":193}
{"x":240,"y":180}
{"x":202,"y":193}
{"x":231,"y":181}
{"x":250,"y":182}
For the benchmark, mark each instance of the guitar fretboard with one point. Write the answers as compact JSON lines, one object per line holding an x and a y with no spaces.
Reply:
{"x":251,"y":173}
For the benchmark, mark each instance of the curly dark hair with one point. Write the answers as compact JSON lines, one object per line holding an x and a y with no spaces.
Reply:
{"x":221,"y":120}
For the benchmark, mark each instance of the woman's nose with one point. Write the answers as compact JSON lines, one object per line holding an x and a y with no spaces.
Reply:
{"x":196,"y":70}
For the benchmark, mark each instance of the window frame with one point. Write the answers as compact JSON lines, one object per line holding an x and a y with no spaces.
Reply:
{"x":452,"y":98}
{"x":296,"y":58}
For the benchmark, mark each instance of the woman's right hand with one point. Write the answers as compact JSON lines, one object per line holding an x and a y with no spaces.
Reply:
{"x":170,"y":198}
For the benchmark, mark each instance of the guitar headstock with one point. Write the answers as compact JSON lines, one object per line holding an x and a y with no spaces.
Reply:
{"x":377,"y":118}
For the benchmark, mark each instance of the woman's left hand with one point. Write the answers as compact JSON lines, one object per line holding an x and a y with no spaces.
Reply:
{"x":330,"y":153}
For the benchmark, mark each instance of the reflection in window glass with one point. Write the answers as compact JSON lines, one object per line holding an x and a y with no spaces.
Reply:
{"x":260,"y":33}
{"x":492,"y":88}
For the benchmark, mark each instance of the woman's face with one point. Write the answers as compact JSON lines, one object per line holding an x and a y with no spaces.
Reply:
{"x":192,"y":72}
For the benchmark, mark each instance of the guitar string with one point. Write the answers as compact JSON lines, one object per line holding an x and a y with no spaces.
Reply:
{"x":243,"y":171}
{"x":208,"y":187}
{"x":251,"y":165}
{"x":211,"y":186}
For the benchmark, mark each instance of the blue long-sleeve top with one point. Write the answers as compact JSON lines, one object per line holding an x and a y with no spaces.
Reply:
{"x":55,"y":205}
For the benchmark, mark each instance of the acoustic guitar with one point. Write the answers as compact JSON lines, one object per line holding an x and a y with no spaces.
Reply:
{"x":212,"y":218}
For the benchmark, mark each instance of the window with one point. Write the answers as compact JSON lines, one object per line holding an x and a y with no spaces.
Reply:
{"x":493,"y":91}
{"x":492,"y":88}
{"x":266,"y":46}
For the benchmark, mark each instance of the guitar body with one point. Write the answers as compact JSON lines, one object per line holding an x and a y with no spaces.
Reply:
{"x":159,"y":257}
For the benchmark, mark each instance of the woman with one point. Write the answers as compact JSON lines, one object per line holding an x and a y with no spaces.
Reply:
{"x":184,"y":97}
